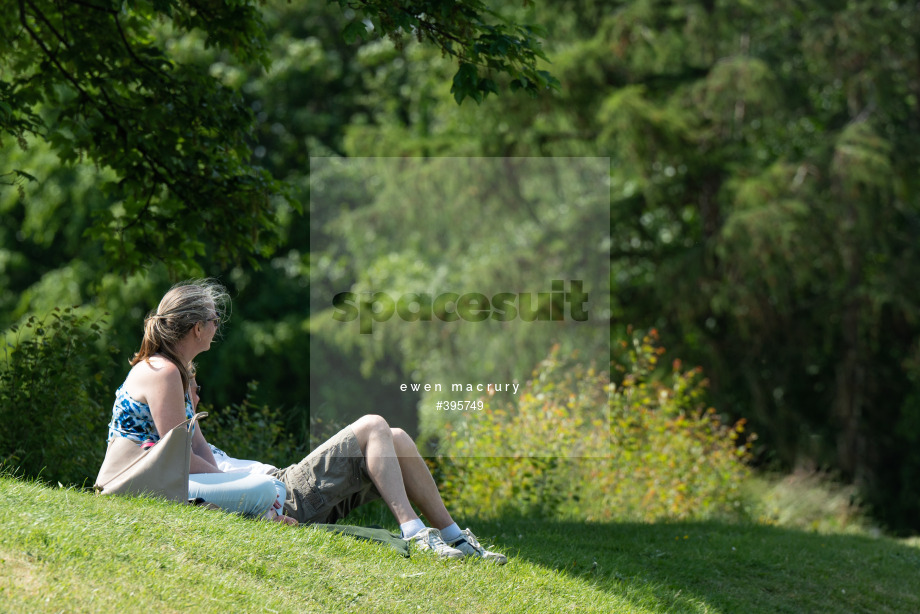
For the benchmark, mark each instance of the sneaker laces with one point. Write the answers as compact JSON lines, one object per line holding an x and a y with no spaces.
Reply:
{"x":430,"y":536}
{"x":467,"y":536}
{"x":471,"y":539}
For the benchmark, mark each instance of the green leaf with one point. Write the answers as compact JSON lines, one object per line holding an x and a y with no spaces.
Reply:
{"x":488,"y":86}
{"x":466,"y":83}
{"x":354,"y":31}
{"x":25,"y":175}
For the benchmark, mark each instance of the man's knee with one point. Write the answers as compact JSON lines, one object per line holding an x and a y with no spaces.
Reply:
{"x":400,"y":436}
{"x":371,"y":422}
{"x":367,"y":425}
{"x":403,"y":443}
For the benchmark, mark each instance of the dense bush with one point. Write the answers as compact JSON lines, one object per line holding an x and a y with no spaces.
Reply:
{"x":51,"y":385}
{"x":576,"y":445}
{"x":248,"y":430}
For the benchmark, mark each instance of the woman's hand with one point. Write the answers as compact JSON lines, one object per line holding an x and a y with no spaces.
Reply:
{"x":275,"y":516}
{"x":200,"y":465}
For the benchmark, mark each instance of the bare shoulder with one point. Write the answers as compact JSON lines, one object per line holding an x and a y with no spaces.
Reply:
{"x":151,"y":377}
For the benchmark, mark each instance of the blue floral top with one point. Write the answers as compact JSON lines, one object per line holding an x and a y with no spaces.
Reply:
{"x":132,"y":419}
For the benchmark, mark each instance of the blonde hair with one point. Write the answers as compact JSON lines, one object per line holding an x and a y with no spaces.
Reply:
{"x":186,"y":304}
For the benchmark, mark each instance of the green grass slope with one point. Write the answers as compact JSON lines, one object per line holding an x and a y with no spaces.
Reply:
{"x":65,"y":550}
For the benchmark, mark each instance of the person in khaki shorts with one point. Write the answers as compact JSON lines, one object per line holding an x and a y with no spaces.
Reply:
{"x":367,"y":460}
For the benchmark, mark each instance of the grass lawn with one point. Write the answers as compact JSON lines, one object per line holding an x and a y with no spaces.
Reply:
{"x":65,"y":550}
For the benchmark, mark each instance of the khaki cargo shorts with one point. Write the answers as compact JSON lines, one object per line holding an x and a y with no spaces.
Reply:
{"x":329,"y":483}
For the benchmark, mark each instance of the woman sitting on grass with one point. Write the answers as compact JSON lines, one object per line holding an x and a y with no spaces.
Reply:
{"x":152,"y":400}
{"x":366,"y":460}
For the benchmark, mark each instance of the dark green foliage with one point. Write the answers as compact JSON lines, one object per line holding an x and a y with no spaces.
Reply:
{"x":765,"y":206}
{"x":94,"y":81}
{"x":484,"y":44}
{"x":251,"y":431}
{"x":52,"y":398}
{"x":98,"y":82}
{"x":763,"y":177}
{"x":768,"y":217}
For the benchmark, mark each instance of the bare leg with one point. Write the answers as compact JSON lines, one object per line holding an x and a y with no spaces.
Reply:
{"x":376,"y":442}
{"x":420,"y":486}
{"x":399,"y":473}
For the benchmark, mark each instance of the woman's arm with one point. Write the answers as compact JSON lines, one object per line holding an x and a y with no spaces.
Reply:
{"x":199,"y":465}
{"x":202,"y":451}
{"x":200,"y":445}
{"x":164,"y":395}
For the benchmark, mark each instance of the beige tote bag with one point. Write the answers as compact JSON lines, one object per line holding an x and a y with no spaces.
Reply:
{"x":161,"y":470}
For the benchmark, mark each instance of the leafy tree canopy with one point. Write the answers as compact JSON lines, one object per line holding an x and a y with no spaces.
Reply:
{"x":97,"y":80}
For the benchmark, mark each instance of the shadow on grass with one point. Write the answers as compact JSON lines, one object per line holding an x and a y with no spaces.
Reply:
{"x":706,"y":566}
{"x":710,"y":566}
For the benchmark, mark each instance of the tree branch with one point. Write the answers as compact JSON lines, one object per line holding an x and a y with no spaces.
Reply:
{"x":41,"y":16}
{"x":95,"y":7}
{"x":142,"y":212}
{"x":124,"y":40}
{"x":152,"y":165}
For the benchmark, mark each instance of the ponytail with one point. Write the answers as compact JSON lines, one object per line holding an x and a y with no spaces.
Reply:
{"x":182,"y":307}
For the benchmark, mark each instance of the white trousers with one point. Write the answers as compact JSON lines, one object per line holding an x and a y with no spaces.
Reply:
{"x":248,"y":494}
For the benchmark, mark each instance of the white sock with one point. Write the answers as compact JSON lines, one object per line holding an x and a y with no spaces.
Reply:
{"x":412,"y":527}
{"x":451,"y":533}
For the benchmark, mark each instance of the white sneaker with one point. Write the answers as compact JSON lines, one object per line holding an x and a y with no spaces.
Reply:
{"x":429,"y":538}
{"x":469,"y":546}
